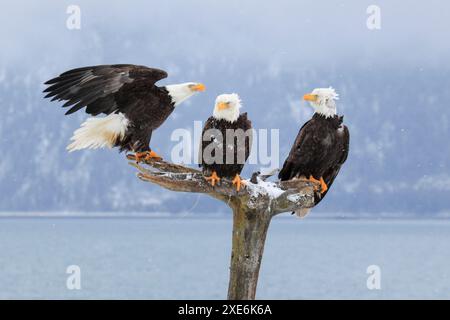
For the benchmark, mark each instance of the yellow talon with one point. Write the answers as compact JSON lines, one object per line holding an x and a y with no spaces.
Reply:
{"x":323,"y":185}
{"x":153,"y":155}
{"x":237,"y":181}
{"x":213,"y":178}
{"x":146,"y":156}
{"x":139,"y":156}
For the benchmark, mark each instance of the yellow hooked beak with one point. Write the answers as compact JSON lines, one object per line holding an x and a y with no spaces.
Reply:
{"x":223,"y":105}
{"x":198,"y":87}
{"x":310,"y":97}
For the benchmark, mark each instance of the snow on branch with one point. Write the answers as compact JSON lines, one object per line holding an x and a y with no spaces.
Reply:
{"x":257,"y":195}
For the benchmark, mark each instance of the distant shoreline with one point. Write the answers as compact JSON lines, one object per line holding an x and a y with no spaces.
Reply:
{"x":206,"y":216}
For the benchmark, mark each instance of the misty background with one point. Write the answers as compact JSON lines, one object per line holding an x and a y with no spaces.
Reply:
{"x":393,"y":84}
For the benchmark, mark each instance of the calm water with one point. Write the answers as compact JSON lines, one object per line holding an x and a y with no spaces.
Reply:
{"x":188,"y":258}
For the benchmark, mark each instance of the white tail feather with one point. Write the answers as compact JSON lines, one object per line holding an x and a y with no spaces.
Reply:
{"x":99,"y":132}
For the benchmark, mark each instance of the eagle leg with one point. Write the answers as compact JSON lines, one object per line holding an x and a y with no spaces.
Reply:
{"x":146,"y":155}
{"x":213,"y":178}
{"x":152,"y":155}
{"x":323,"y":185}
{"x":237,"y":181}
{"x":140,"y":155}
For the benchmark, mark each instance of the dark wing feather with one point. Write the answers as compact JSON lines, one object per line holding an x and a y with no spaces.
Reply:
{"x":346,"y":143}
{"x":95,"y":86}
{"x":205,"y":140}
{"x":215,"y":143}
{"x":244,"y":124}
{"x":332,"y":172}
{"x":299,"y":155}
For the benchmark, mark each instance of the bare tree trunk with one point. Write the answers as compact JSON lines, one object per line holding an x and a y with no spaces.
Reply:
{"x":249,"y":235}
{"x":253,"y":208}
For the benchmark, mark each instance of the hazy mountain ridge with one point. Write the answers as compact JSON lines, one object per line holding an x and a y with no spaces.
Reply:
{"x":393,"y":84}
{"x":393,"y":166}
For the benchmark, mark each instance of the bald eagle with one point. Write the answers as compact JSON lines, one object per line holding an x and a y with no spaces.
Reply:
{"x":134,"y":106}
{"x":321,"y":146}
{"x":226,"y":141}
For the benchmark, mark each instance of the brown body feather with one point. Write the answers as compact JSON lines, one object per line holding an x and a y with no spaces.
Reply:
{"x":320,"y":149}
{"x":212,"y":140}
{"x":121,"y":88}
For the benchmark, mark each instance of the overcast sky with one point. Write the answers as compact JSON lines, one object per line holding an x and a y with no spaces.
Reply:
{"x":280,"y":32}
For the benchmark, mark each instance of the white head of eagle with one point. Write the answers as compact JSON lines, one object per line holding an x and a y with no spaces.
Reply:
{"x":323,"y":100}
{"x":183,"y":91}
{"x":227,"y":107}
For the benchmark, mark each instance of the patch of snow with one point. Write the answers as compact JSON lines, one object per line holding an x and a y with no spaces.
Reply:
{"x":295,"y":198}
{"x":264,"y":188}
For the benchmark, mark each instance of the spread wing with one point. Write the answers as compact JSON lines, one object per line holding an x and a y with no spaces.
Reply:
{"x":97,"y":87}
{"x":301,"y":154}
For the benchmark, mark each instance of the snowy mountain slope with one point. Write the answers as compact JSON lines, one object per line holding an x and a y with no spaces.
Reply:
{"x":393,"y":84}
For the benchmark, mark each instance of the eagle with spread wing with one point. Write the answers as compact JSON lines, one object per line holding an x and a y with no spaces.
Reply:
{"x":128,"y":97}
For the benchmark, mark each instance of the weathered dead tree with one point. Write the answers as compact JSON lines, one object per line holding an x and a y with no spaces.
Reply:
{"x":253,"y":208}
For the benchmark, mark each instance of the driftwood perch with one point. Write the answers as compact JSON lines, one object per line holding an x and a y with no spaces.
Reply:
{"x":253,"y":208}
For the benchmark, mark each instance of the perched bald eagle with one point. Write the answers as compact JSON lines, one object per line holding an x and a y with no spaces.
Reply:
{"x":321,"y":146}
{"x":134,"y":106}
{"x":226,"y":141}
